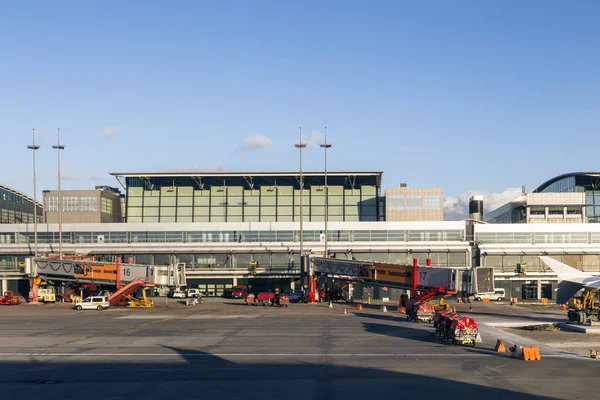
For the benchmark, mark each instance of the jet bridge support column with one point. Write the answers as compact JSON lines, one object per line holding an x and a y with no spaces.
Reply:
{"x":415,"y":275}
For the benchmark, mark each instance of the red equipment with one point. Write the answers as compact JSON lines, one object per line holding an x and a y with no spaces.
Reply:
{"x":444,"y":324}
{"x":463,"y":330}
{"x":282,"y":301}
{"x":436,"y":318}
{"x":265,"y":298}
{"x":422,"y":312}
{"x":10,"y":299}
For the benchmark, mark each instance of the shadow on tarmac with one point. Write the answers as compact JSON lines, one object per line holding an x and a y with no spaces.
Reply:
{"x":205,"y":376}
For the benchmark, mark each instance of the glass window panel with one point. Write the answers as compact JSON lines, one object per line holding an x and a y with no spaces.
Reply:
{"x":457,"y":259}
{"x":439,"y":259}
{"x":156,"y":237}
{"x":217,"y":211}
{"x":184,"y":211}
{"x":167,"y":211}
{"x":131,"y":201}
{"x":139,"y":237}
{"x":134,"y":212}
{"x":152,"y":201}
{"x":168,"y":201}
{"x":150,"y":211}
{"x":416,"y":236}
{"x":454,"y":235}
{"x":414,"y":202}
{"x":235,"y":201}
{"x":184,"y":201}
{"x":493,"y":261}
{"x":174,"y":237}
{"x":151,"y":219}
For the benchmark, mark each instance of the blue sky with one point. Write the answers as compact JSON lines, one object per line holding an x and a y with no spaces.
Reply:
{"x":465,"y":95}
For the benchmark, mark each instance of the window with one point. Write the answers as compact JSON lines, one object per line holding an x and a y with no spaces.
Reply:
{"x":431,"y":202}
{"x":395,"y":202}
{"x":414,"y":202}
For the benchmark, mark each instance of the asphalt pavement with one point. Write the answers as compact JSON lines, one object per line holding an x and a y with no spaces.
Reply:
{"x":225,"y":350}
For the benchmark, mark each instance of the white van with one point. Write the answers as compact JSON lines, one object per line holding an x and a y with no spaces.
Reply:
{"x":498,"y":295}
{"x":192,"y":292}
{"x":93,"y":303}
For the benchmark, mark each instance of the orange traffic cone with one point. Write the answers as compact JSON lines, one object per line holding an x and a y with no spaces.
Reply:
{"x":500,"y":346}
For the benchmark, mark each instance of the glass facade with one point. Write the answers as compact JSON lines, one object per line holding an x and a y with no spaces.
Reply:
{"x":247,"y":199}
{"x":537,"y":237}
{"x":16,"y":208}
{"x":580,"y":182}
{"x":263,"y":236}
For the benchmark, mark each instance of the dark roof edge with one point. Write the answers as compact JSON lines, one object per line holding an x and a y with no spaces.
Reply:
{"x":559,"y":177}
{"x":21,"y":194}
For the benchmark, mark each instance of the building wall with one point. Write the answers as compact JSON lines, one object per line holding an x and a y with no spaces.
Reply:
{"x":16,"y":208}
{"x":414,"y":204}
{"x":83,"y":206}
{"x":541,"y":208}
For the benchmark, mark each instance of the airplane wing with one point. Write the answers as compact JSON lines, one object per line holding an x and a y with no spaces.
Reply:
{"x":571,"y":280}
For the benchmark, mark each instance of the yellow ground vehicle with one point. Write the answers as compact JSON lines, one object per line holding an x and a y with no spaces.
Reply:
{"x":140,"y":303}
{"x":584,"y":309}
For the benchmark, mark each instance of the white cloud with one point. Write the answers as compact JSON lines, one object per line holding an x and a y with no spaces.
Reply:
{"x":457,"y":208}
{"x":109,"y":132}
{"x":416,"y":149}
{"x":200,"y":168}
{"x":256,"y":142}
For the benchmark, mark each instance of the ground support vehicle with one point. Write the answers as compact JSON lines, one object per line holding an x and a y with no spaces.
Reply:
{"x":265,"y":299}
{"x":93,"y":303}
{"x":193,"y":300}
{"x":444,"y":324}
{"x":250,"y":299}
{"x":463,"y":330}
{"x":239,"y":291}
{"x":497,"y":295}
{"x":422,"y":312}
{"x":293,"y":295}
{"x":49,"y":298}
{"x":583,"y":309}
{"x":10,"y":299}
{"x":282,"y":301}
{"x":436,"y":319}
{"x":140,"y":303}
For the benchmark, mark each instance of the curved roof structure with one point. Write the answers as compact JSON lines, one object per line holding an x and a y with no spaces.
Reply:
{"x":576,"y":175}
{"x":20,"y":194}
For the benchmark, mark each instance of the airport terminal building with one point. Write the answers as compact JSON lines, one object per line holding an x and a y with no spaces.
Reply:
{"x":218,"y":223}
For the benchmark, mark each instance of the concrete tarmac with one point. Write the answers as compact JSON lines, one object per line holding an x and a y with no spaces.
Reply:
{"x":226,"y":350}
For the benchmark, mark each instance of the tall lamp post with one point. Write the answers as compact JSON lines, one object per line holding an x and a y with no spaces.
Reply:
{"x":326,"y":146}
{"x":59,"y":147}
{"x":300,"y":146}
{"x":34,"y":147}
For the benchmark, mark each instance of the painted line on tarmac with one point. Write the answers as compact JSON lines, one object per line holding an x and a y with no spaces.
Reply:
{"x":308,"y":355}
{"x":248,"y":316}
{"x":115,"y":331}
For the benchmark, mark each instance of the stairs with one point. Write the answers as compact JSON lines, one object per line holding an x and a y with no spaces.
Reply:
{"x":434,"y":291}
{"x":127,"y":290}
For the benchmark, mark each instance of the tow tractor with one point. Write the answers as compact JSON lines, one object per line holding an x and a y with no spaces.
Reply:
{"x":10,"y":299}
{"x":584,"y":309}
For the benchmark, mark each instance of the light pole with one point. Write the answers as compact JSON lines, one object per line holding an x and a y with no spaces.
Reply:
{"x":300,"y":146}
{"x":326,"y":146}
{"x":59,"y":147}
{"x":34,"y":147}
